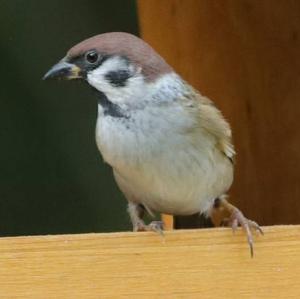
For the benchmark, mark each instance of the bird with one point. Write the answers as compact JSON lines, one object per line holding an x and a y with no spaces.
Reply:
{"x":169,"y":147}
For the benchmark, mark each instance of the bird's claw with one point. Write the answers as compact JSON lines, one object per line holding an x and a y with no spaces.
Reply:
{"x":155,"y":226}
{"x":237,"y":218}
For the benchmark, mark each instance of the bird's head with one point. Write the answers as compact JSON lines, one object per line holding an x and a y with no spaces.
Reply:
{"x":117,"y":64}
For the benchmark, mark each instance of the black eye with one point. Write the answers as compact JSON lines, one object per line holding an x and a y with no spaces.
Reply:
{"x":91,"y":57}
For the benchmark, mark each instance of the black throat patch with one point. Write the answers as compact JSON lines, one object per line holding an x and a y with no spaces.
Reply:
{"x":110,"y":108}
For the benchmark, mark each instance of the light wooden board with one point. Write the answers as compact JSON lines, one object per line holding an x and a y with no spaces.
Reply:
{"x":210,"y":263}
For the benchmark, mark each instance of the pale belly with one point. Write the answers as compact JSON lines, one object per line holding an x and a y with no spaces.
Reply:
{"x":178,"y":188}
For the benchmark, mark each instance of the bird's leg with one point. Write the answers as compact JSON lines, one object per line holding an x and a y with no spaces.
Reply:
{"x":225,"y":213}
{"x":136,"y":213}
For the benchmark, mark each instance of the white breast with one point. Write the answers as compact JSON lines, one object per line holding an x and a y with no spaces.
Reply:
{"x":159,"y":163}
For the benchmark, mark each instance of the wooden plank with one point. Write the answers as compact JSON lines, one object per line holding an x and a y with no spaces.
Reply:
{"x":245,"y":56}
{"x":208,"y":263}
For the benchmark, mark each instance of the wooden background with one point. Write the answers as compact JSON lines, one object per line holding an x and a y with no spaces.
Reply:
{"x":245,"y":56}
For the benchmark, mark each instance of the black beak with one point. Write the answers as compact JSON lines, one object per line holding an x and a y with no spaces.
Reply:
{"x":63,"y":70}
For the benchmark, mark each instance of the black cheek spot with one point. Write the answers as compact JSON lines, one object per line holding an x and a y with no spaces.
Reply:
{"x":118,"y":78}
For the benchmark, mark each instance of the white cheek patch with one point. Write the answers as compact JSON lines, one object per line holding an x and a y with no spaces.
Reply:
{"x":96,"y":77}
{"x":121,"y":82}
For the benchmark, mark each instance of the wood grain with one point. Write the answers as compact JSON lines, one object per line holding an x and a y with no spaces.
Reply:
{"x":208,"y":263}
{"x":245,"y":56}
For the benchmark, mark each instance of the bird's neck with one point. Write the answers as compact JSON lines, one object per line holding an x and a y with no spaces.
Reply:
{"x":166,"y":89}
{"x":110,"y":108}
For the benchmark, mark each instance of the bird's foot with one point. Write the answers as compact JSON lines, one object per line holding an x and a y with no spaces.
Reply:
{"x":155,"y":226}
{"x":236,"y":218}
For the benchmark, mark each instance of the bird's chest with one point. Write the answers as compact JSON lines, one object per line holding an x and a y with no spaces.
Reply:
{"x":133,"y":142}
{"x":156,"y":162}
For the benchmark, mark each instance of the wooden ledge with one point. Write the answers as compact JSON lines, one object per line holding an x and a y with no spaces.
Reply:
{"x":208,"y":263}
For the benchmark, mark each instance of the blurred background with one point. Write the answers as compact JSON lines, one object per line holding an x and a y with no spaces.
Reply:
{"x":243,"y":54}
{"x":52,"y":178}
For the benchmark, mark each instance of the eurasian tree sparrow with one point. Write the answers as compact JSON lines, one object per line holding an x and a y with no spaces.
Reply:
{"x":169,"y":146}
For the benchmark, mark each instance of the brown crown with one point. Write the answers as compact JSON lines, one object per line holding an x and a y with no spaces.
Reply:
{"x":128,"y":45}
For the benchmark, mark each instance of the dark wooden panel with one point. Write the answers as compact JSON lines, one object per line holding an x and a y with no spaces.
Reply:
{"x":245,"y":56}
